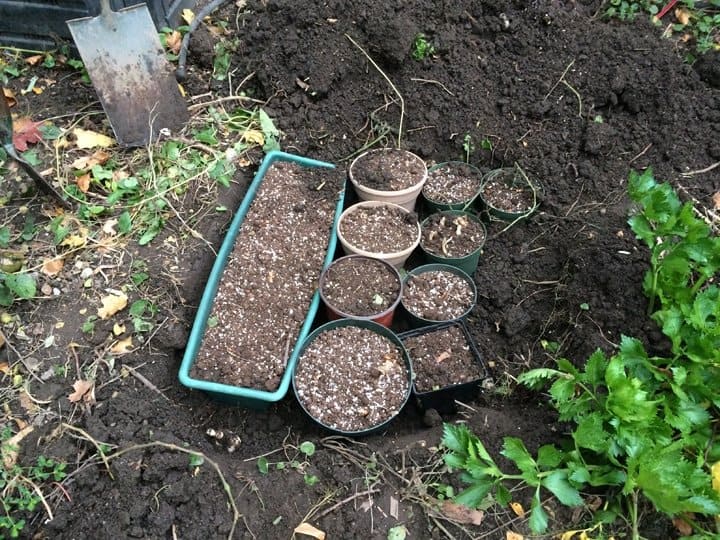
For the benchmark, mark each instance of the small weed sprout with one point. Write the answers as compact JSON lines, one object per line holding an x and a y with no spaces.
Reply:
{"x":468,"y":146}
{"x":422,"y":48}
{"x":305,"y":449}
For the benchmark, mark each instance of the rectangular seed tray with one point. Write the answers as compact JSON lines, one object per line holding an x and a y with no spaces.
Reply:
{"x":251,"y":397}
{"x":443,"y":399}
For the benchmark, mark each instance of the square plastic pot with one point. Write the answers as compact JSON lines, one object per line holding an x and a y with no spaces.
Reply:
{"x":236,"y":395}
{"x":443,"y":399}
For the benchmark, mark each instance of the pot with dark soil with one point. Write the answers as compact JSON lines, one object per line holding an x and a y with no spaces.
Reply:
{"x":353,"y":377}
{"x":508,"y":194}
{"x":446,"y":365}
{"x":453,"y":185}
{"x":261,"y":296}
{"x":360,"y":287}
{"x":390,"y":175}
{"x":380,"y":230}
{"x":435,"y":293}
{"x":453,"y":237}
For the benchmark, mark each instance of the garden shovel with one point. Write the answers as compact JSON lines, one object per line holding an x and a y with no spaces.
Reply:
{"x":6,"y":142}
{"x":127,"y":66}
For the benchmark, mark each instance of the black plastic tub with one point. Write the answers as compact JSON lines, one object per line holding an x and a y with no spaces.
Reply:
{"x":40,"y":24}
{"x":444,"y":399}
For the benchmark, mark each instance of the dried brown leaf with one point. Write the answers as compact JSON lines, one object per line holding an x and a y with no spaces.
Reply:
{"x":52,"y":267}
{"x":716,"y":200}
{"x":84,"y":390}
{"x":9,"y":97}
{"x":123,"y":346}
{"x":510,"y":535}
{"x":518,"y":509}
{"x":111,"y":304}
{"x":309,"y":530}
{"x":25,"y":132}
{"x":461,"y":513}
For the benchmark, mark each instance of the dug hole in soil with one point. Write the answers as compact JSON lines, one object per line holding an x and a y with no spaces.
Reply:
{"x":494,"y":75}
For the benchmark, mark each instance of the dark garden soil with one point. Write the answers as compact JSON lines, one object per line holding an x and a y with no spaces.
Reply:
{"x":379,"y":229}
{"x":452,"y":183}
{"x":451,"y":235}
{"x":388,"y":170}
{"x":497,"y":74}
{"x":352,"y":379}
{"x":442,"y":357}
{"x":360,"y":286}
{"x":437,"y":295}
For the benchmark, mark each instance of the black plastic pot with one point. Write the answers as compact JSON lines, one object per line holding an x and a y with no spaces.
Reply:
{"x":443,"y":399}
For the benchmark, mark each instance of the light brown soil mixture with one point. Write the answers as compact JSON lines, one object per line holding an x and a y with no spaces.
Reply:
{"x":442,"y":357}
{"x":437,"y":295}
{"x":360,"y":286}
{"x":270,"y":278}
{"x":451,"y":236}
{"x":380,"y":229}
{"x":504,"y":192}
{"x":388,"y":169}
{"x":351,"y":379}
{"x":452,"y":183}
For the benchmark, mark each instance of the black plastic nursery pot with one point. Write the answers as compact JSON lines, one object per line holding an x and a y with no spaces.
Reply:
{"x":435,"y":203}
{"x":417,"y":321}
{"x":515,"y":182}
{"x":350,"y":386}
{"x":443,"y":399}
{"x":467,"y":263}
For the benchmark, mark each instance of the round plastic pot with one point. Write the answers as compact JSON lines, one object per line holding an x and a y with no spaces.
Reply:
{"x":437,"y":206}
{"x":469,"y":262}
{"x":384,"y":318}
{"x":512,"y":177}
{"x":396,"y":258}
{"x":377,"y":328}
{"x":404,"y":197}
{"x":418,"y":322}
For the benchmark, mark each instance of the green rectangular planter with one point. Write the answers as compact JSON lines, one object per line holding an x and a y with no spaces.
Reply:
{"x":250,"y":397}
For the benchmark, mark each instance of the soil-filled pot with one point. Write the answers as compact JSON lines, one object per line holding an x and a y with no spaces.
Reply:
{"x":360,"y":287}
{"x":446,"y":365}
{"x":389,"y":175}
{"x":353,"y":377}
{"x":508,"y":194}
{"x":453,"y":185}
{"x":380,"y":230}
{"x":435,"y":293}
{"x":453,"y":237}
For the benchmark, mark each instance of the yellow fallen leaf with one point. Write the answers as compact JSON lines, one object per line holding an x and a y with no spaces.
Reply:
{"x":183,"y":93}
{"x":34,"y":59}
{"x":715,"y":470}
{"x":518,"y":509}
{"x":188,"y":15}
{"x":118,"y":329}
{"x":2,"y":344}
{"x":74,"y":240}
{"x":52,"y":267}
{"x":37,"y":90}
{"x":84,"y":390}
{"x":461,"y":513}
{"x":509,"y":535}
{"x":716,"y":200}
{"x":90,"y":139}
{"x":123,"y":346}
{"x":309,"y":530}
{"x":111,"y":304}
{"x":682,"y":15}
{"x":9,"y":97}
{"x":99,"y":157}
{"x":254,"y":136}
{"x":173,"y":41}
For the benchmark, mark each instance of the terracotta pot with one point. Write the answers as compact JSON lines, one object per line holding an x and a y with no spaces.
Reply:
{"x":380,"y":270}
{"x":398,"y":257}
{"x":405,"y":197}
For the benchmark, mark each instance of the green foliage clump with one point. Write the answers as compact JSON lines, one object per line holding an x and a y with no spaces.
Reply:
{"x":643,"y":425}
{"x":422,"y":48}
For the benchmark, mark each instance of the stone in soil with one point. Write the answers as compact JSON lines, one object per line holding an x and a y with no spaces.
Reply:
{"x":270,"y":278}
{"x":352,"y":379}
{"x":360,"y":286}
{"x":451,"y":236}
{"x":437,"y":295}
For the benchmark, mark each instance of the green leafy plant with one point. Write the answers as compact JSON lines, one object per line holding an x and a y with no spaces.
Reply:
{"x":20,"y":486}
{"x":306,"y":449}
{"x":642,"y":425}
{"x":422,"y":48}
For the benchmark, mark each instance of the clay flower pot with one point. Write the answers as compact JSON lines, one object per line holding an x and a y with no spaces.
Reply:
{"x":453,"y":237}
{"x":388,"y":175}
{"x":435,"y":293}
{"x":380,"y":230}
{"x":360,"y":287}
{"x":508,"y":194}
{"x":452,"y":185}
{"x":352,"y":377}
{"x":446,"y":364}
